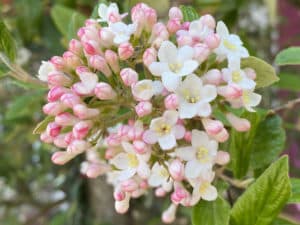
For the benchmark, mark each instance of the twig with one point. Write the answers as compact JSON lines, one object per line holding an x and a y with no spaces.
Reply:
{"x":289,"y":105}
{"x":289,"y":218}
{"x":242,"y":184}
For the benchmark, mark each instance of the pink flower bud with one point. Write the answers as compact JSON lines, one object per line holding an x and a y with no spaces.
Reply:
{"x":175,"y":12}
{"x":61,"y":157}
{"x":144,"y":16}
{"x":144,"y":184}
{"x":91,"y":22}
{"x":186,"y":25}
{"x":160,"y":192}
{"x":70,"y":100}
{"x":60,"y":142}
{"x":109,"y":153}
{"x":46,"y":138}
{"x":71,"y":60}
{"x":112,"y":60}
{"x":104,"y":91}
{"x":91,"y":47}
{"x":66,"y":119}
{"x":129,"y":76}
{"x":188,"y":136}
{"x":171,"y":101}
{"x":208,"y":20}
{"x":58,"y":62}
{"x":122,"y":206}
{"x":169,"y":215}
{"x":119,"y":195}
{"x":125,"y":51}
{"x":212,"y":127}
{"x":250,"y":73}
{"x":202,"y":52}
{"x":81,"y":129}
{"x":57,"y":78}
{"x":53,"y":108}
{"x":83,"y":112}
{"x":113,"y":140}
{"x":143,"y":108}
{"x":69,"y":137}
{"x":213,"y":76}
{"x":88,"y":33}
{"x":129,"y":185}
{"x":222,"y":136}
{"x":176,"y":169}
{"x":230,"y":92}
{"x":81,"y":89}
{"x":173,"y":25}
{"x":240,"y":124}
{"x":222,"y":158}
{"x":212,"y":41}
{"x":106,"y":37}
{"x":99,"y":63}
{"x":82,"y":69}
{"x":53,"y":129}
{"x":184,"y":40}
{"x":75,"y":47}
{"x":149,"y":56}
{"x":160,"y":31}
{"x":140,"y":147}
{"x":56,"y":92}
{"x":78,"y":147}
{"x":178,"y":195}
{"x":94,"y":170}
{"x":123,"y":130}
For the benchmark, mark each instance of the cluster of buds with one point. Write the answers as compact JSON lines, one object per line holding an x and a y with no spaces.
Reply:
{"x":139,"y":100}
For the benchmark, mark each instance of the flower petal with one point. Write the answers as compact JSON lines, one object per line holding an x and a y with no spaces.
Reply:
{"x":185,"y":53}
{"x":170,"y":117}
{"x":189,"y":66}
{"x":170,"y":80}
{"x":192,"y":169}
{"x":222,"y":29}
{"x":208,"y":93}
{"x":185,"y":153}
{"x":158,"y":68}
{"x":120,"y":161}
{"x":178,"y":131}
{"x":204,"y":109}
{"x":167,"y":142}
{"x":210,"y":193}
{"x":187,"y":110}
{"x":167,"y":52}
{"x":126,"y":174}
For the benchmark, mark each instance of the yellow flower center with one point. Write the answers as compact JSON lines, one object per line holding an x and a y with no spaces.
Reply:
{"x":133,"y":161}
{"x":164,"y":129}
{"x":203,"y":187}
{"x":202,"y":154}
{"x":143,"y":87}
{"x":175,"y":67}
{"x":163,"y":172}
{"x":229,"y":45}
{"x":236,"y":76}
{"x":190,"y":98}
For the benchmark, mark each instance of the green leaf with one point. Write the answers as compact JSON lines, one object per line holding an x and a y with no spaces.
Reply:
{"x":289,"y":56}
{"x":67,"y":20}
{"x":295,"y":198}
{"x":265,"y":73}
{"x":7,"y":43}
{"x":3,"y":70}
{"x":263,"y":200}
{"x":189,"y":13}
{"x":268,"y":142}
{"x":289,"y":81}
{"x":41,"y":127}
{"x":281,"y":221}
{"x":211,"y":213}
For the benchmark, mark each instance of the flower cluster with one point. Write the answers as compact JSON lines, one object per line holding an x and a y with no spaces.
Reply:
{"x":139,"y":100}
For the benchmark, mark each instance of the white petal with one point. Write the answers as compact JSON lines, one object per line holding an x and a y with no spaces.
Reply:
{"x":186,"y":153}
{"x":157,"y":87}
{"x":119,"y":39}
{"x":170,"y":80}
{"x":102,"y":11}
{"x":178,"y":131}
{"x":167,"y":52}
{"x":150,"y":137}
{"x":143,"y":170}
{"x":189,"y":67}
{"x":170,"y":117}
{"x":222,"y":29}
{"x":155,"y":180}
{"x":167,"y":142}
{"x":128,"y":147}
{"x":185,"y":53}
{"x":208,"y":93}
{"x":192,"y":169}
{"x":210,"y":193}
{"x":158,"y":68}
{"x":126,"y":174}
{"x":254,"y":99}
{"x":204,"y":109}
{"x":199,"y":138}
{"x":187,"y":110}
{"x":120,"y":161}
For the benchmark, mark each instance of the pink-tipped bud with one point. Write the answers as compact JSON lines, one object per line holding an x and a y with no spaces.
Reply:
{"x":201,"y":52}
{"x":94,"y":170}
{"x":83,"y":112}
{"x":71,"y":60}
{"x":175,"y":12}
{"x":53,"y":129}
{"x":140,"y":147}
{"x":66,"y":119}
{"x":250,"y":73}
{"x":53,"y":108}
{"x":119,"y":195}
{"x":91,"y":22}
{"x":46,"y":138}
{"x":149,"y":56}
{"x":104,"y":91}
{"x":125,"y":51}
{"x":82,"y":69}
{"x":178,"y":195}
{"x":160,"y":31}
{"x":81,"y":129}
{"x":212,"y":127}
{"x":230,"y":92}
{"x":144,"y":184}
{"x":57,"y":78}
{"x":113,"y":140}
{"x":70,"y":100}
{"x":129,"y":76}
{"x":208,"y":20}
{"x":78,"y":146}
{"x":91,"y":47}
{"x":112,"y":60}
{"x":123,"y":130}
{"x":176,"y":169}
{"x":56,"y":92}
{"x":129,"y":185}
{"x":222,"y":136}
{"x":98,"y":62}
{"x":61,"y":157}
{"x":169,"y":215}
{"x":106,"y":37}
{"x":213,"y":76}
{"x":59,"y":141}
{"x":183,"y":40}
{"x":240,"y":124}
{"x":222,"y":158}
{"x":123,"y":206}
{"x":212,"y":41}
{"x":173,"y":25}
{"x":143,"y":108}
{"x":109,"y":153}
{"x":75,"y":47}
{"x":82,"y":89}
{"x":58,"y":62}
{"x":69,"y":137}
{"x":160,"y":192}
{"x":171,"y":101}
{"x":186,"y":25}
{"x":188,"y":136}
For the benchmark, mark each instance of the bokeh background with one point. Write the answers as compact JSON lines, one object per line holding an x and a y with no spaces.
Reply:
{"x":33,"y":191}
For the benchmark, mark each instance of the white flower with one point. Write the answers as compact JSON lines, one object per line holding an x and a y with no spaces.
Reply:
{"x":199,"y":31}
{"x":194,"y":97}
{"x":200,"y":156}
{"x":174,"y":64}
{"x":122,"y":32}
{"x":231,"y":46}
{"x":160,"y":177}
{"x":129,"y":163}
{"x":45,"y":69}
{"x":164,"y":130}
{"x":250,"y":99}
{"x":234,"y":74}
{"x":105,"y":11}
{"x":145,"y":89}
{"x":202,"y":188}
